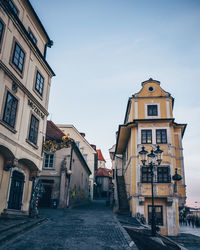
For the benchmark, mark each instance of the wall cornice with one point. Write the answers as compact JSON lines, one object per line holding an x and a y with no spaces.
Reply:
{"x":22,"y":87}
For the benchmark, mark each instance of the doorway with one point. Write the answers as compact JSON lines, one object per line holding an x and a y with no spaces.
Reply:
{"x":16,"y":190}
{"x":45,"y":200}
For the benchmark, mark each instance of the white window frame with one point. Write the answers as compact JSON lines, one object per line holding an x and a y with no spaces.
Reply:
{"x":146,"y":110}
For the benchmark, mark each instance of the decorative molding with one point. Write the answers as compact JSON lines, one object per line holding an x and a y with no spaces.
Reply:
{"x":53,"y":146}
{"x":24,"y":33}
{"x":7,"y":139}
{"x":8,"y":127}
{"x":22,"y":87}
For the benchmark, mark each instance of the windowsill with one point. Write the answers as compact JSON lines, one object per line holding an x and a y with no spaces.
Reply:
{"x":16,"y":69}
{"x":155,"y":182}
{"x":48,"y":168}
{"x":38,"y":94}
{"x":32,"y":144}
{"x":8,"y":127}
{"x":163,"y":182}
{"x":153,"y":117}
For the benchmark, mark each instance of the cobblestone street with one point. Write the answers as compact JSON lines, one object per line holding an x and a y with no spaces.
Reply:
{"x":190,"y":230}
{"x":90,"y":227}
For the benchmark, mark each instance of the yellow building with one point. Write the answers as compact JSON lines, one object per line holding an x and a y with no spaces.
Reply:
{"x":149,"y":122}
{"x":25,"y":79}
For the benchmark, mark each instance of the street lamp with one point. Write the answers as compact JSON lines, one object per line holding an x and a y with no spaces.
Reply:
{"x":153,"y":157}
{"x":176,"y":177}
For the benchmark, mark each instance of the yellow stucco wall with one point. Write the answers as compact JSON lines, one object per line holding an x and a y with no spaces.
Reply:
{"x":172,"y":154}
{"x":161,"y":202}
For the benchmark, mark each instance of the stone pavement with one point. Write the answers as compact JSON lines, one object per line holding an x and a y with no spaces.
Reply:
{"x":87,"y":228}
{"x":10,"y":227}
{"x":191,"y":230}
{"x":189,"y":237}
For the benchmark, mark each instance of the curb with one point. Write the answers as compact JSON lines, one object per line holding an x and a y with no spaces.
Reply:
{"x":130,"y":243}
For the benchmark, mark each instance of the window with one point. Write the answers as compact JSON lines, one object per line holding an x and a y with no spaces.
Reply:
{"x":163,"y":175}
{"x":39,"y":83}
{"x":32,"y":37}
{"x":10,"y":110}
{"x":48,"y":160}
{"x":152,"y":110}
{"x":33,"y":131}
{"x":1,"y":30}
{"x":146,"y":136}
{"x":18,"y":57}
{"x":77,"y":143}
{"x":158,"y":215}
{"x":13,"y":7}
{"x":161,"y":136}
{"x":146,"y":175}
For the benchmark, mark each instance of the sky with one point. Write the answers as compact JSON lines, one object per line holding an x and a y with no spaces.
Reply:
{"x":104,"y":49}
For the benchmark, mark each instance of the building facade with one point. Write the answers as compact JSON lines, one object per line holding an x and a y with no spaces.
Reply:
{"x":87,"y":150}
{"x":101,"y":160}
{"x":149,"y":122}
{"x":25,"y":79}
{"x":103,"y":182}
{"x":65,"y":174}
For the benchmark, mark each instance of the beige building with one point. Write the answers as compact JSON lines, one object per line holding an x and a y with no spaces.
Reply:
{"x":65,"y":174}
{"x":25,"y":79}
{"x":87,"y":150}
{"x":101,"y":160}
{"x":149,"y":123}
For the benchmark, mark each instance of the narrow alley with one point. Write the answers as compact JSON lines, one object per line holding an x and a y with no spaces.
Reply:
{"x":88,"y":227}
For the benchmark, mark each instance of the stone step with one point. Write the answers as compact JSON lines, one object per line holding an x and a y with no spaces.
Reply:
{"x":12,"y":231}
{"x":14,"y":214}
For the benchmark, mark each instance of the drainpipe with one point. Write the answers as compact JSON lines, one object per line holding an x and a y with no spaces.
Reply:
{"x":49,"y":44}
{"x":70,"y":168}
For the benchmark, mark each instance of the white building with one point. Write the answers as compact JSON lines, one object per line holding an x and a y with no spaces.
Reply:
{"x":88,"y":151}
{"x":25,"y":80}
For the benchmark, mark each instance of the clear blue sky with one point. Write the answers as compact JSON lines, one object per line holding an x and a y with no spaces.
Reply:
{"x":104,"y":49}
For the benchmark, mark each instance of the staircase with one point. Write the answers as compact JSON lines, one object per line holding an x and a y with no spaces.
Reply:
{"x":14,"y":214}
{"x":122,"y":196}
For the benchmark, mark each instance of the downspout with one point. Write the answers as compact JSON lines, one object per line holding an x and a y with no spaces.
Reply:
{"x":70,"y":168}
{"x":49,"y":44}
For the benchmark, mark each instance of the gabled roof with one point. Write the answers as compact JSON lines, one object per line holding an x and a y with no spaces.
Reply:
{"x":77,"y":132}
{"x":105,"y":172}
{"x":53,"y":132}
{"x":100,"y":156}
{"x":162,"y":93}
{"x":38,"y":20}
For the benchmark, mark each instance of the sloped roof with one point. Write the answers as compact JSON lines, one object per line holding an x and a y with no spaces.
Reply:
{"x":70,"y":126}
{"x":100,"y":156}
{"x":104,"y":172}
{"x":53,"y":132}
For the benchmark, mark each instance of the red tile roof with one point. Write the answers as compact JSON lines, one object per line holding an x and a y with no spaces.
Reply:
{"x":100,"y":156}
{"x":53,"y":132}
{"x":104,"y":172}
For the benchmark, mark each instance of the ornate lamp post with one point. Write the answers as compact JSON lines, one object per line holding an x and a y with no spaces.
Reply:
{"x":176,"y":177}
{"x":154,"y":159}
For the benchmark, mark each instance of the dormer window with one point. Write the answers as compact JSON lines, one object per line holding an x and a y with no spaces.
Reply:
{"x":152,"y":110}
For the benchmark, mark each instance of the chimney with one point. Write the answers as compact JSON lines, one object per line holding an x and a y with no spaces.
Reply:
{"x":93,"y":146}
{"x":82,"y":134}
